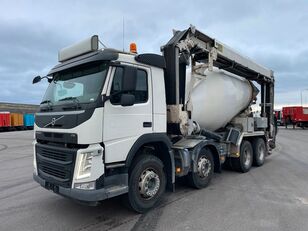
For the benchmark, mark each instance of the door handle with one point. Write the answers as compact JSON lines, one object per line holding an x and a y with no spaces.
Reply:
{"x":147,"y":124}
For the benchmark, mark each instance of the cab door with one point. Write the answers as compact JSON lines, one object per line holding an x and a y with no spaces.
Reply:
{"x":123,"y":125}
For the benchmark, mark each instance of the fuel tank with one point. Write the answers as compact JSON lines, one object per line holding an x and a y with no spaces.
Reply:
{"x":219,"y":96}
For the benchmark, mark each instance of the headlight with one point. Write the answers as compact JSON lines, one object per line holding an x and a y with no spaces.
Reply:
{"x":84,"y":165}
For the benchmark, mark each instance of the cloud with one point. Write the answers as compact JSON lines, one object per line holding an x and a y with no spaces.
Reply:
{"x":31,"y":32}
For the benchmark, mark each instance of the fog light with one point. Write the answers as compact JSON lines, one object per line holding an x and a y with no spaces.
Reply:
{"x":85,"y":186}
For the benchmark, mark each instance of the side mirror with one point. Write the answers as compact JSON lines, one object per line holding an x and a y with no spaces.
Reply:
{"x":39,"y":78}
{"x":36,"y":79}
{"x":127,"y":100}
{"x":129,"y":79}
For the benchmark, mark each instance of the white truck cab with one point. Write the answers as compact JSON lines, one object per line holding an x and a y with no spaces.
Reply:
{"x":102,"y":125}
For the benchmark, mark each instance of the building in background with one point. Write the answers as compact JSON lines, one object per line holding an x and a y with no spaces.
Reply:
{"x":18,"y":108}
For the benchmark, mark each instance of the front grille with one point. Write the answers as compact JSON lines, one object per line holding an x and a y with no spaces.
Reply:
{"x":56,"y":137}
{"x":54,"y":171}
{"x":55,"y":155}
{"x":56,"y":164}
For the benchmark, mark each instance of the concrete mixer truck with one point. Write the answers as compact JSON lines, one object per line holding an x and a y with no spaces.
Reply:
{"x":121,"y":123}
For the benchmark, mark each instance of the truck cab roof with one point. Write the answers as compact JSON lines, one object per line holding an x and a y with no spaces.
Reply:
{"x":110,"y":55}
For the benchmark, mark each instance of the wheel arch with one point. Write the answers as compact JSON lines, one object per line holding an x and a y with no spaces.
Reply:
{"x":213,"y":149}
{"x":162,"y":145}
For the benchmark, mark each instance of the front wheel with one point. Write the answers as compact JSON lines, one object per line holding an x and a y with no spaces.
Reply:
{"x":147,"y":183}
{"x":205,"y":170}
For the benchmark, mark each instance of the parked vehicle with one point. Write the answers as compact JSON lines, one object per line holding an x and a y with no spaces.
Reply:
{"x":296,"y":116}
{"x":114,"y":122}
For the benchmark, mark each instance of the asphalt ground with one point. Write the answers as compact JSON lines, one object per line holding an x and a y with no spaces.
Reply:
{"x":271,"y":197}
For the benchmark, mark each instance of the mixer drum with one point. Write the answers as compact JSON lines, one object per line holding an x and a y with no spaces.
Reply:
{"x":218,"y":97}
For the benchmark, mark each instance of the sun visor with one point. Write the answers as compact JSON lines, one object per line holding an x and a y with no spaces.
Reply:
{"x":100,"y":55}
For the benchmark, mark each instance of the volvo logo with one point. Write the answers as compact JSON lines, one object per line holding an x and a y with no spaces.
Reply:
{"x":53,"y":121}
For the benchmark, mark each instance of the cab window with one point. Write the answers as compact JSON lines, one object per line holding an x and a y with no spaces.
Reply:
{"x":140,"y":92}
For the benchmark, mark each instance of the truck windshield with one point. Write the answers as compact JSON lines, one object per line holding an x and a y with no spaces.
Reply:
{"x":82,"y":85}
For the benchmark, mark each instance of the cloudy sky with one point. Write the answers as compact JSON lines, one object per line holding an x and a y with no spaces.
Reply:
{"x":273,"y":33}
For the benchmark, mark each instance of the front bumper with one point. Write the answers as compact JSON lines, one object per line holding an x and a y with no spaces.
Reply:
{"x":84,"y":195}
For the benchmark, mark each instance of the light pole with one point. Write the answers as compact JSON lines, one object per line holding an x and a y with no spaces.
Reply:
{"x":302,"y":95}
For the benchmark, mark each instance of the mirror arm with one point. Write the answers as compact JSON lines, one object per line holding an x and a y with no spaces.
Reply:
{"x":40,"y":78}
{"x":46,"y":77}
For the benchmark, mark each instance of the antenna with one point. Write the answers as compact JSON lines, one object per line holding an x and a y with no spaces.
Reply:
{"x":123,"y":33}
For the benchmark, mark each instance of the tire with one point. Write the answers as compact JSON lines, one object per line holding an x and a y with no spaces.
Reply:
{"x":146,"y":170}
{"x":202,"y":178}
{"x":259,"y":151}
{"x":244,"y":162}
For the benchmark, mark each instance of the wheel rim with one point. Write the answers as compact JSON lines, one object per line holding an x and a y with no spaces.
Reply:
{"x":149,"y":183}
{"x":204,"y":167}
{"x":261,"y":152}
{"x":247,"y":158}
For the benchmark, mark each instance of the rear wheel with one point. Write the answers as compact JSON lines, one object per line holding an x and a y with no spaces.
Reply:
{"x":205,"y":170}
{"x":147,"y":183}
{"x":259,"y":151}
{"x":244,"y":162}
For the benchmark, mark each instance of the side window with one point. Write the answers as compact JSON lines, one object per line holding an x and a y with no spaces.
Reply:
{"x":141,"y":92}
{"x":116,"y":86}
{"x":141,"y":89}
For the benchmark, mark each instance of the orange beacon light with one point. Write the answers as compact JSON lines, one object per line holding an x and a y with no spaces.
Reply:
{"x":133,"y":48}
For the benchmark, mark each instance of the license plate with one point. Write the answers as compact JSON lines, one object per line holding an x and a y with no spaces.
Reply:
{"x":52,"y":187}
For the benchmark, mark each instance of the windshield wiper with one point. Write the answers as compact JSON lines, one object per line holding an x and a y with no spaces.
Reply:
{"x":46,"y":101}
{"x":49,"y":105}
{"x":69,"y":98}
{"x":75,"y":100}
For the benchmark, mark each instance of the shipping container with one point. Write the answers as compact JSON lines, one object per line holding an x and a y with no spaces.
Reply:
{"x":17,"y":120}
{"x":296,"y":116}
{"x":5,"y":120}
{"x":28,"y":120}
